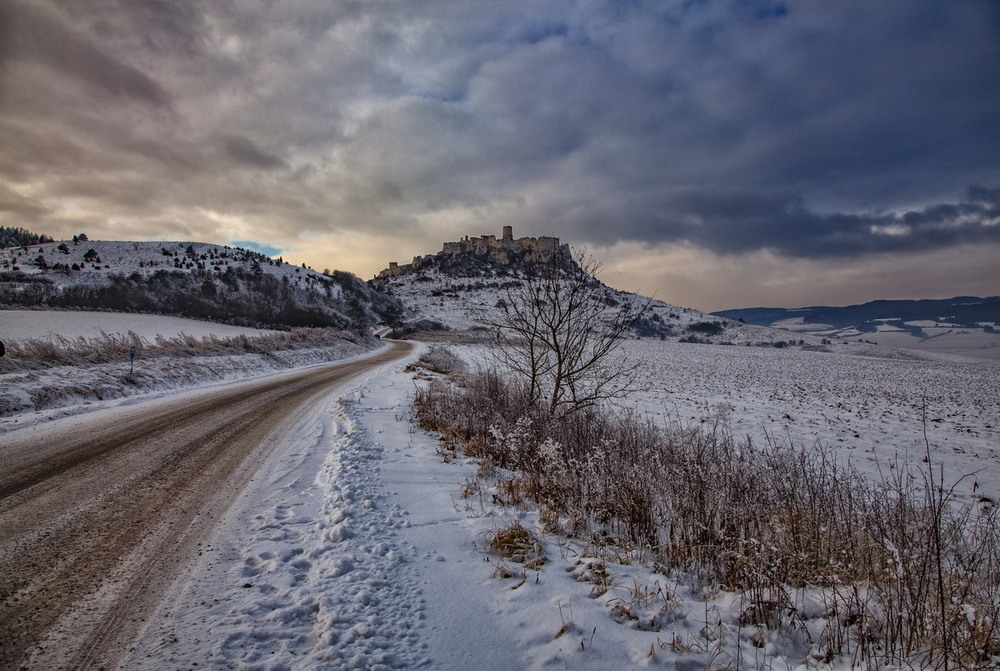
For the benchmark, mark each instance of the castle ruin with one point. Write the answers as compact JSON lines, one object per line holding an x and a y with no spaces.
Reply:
{"x":501,"y":251}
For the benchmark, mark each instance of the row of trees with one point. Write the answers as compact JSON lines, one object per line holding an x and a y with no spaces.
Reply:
{"x":237,"y":296}
{"x":20,"y":237}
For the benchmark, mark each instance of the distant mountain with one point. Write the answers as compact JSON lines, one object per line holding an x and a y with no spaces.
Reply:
{"x":964,"y":311}
{"x":966,"y":325}
{"x":189,"y":279}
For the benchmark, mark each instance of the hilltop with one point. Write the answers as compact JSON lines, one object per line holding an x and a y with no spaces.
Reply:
{"x":485,"y":256}
{"x":189,"y":279}
{"x":461,"y":287}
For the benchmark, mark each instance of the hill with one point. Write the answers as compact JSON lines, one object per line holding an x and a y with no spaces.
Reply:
{"x":188,"y":279}
{"x":964,"y":324}
{"x":462,"y":287}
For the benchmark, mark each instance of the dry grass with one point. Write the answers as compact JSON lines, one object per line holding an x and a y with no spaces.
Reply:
{"x":909,"y":575}
{"x":517,"y":544}
{"x":42,"y":353}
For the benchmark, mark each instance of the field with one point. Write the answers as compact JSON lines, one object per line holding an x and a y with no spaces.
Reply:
{"x":868,"y":408}
{"x":819,"y":484}
{"x":26,"y":324}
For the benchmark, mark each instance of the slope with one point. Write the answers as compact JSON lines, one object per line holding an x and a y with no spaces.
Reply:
{"x":463,"y":287}
{"x":188,"y":279}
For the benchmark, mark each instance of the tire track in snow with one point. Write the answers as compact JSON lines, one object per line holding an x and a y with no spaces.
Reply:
{"x":309,"y":571}
{"x":88,"y":546}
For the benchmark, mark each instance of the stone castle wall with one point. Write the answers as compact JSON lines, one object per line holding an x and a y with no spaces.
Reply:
{"x":536,"y":249}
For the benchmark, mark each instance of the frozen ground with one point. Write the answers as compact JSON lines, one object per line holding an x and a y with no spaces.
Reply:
{"x":43,"y":393}
{"x":360,"y":546}
{"x":28,"y":324}
{"x":868,"y":405}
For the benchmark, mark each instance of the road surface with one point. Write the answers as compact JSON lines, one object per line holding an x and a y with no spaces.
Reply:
{"x":98,"y":516}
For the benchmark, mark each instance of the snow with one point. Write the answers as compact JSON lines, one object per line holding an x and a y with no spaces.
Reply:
{"x":464,"y":303}
{"x":145,"y":258}
{"x":354,"y":549}
{"x":939,"y":337}
{"x":867,"y":405}
{"x":58,"y":391}
{"x":359,"y":545}
{"x":29,"y":324}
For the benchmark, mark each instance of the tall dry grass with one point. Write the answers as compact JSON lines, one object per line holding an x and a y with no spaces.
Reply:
{"x":907,"y":574}
{"x":40,"y":353}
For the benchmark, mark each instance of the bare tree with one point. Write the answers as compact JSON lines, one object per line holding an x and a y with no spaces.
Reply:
{"x":561,"y":331}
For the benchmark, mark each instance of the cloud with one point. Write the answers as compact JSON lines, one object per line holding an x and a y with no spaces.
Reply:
{"x":694,"y":277}
{"x":243,"y":151}
{"x":36,"y":35}
{"x":21,"y":207}
{"x":736,"y":222}
{"x":806,"y":130}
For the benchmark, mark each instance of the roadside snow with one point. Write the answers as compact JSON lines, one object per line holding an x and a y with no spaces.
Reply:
{"x":27,"y":398}
{"x":27,"y":324}
{"x":354,"y":549}
{"x":308,"y":570}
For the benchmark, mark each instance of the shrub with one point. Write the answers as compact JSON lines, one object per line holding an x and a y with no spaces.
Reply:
{"x":708,"y":328}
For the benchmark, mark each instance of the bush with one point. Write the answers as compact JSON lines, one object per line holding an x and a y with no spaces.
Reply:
{"x":708,"y":328}
{"x":439,"y":359}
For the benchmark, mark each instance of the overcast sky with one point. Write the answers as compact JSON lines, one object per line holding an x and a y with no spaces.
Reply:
{"x":718,"y":154}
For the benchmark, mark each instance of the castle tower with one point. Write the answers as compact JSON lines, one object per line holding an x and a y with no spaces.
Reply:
{"x":508,"y":233}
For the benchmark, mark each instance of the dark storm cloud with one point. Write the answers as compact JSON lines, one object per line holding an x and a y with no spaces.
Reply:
{"x":727,"y":222}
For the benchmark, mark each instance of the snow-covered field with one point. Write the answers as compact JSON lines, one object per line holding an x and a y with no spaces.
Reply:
{"x":35,"y":395}
{"x":934,"y":336}
{"x":359,"y":546}
{"x":866,"y":407}
{"x":28,"y":324}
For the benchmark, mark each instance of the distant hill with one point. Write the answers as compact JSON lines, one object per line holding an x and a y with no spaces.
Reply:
{"x":189,"y":279}
{"x":461,"y":288}
{"x":966,"y":311}
{"x":964,"y":324}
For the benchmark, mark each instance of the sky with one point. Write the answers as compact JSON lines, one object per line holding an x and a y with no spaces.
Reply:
{"x":715,"y":154}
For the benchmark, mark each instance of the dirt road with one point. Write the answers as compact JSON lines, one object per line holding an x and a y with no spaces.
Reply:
{"x":98,"y":517}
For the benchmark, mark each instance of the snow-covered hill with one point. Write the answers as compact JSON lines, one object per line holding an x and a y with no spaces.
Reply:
{"x":190,"y":279}
{"x":462,"y":302}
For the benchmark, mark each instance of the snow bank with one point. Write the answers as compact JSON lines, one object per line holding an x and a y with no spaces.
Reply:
{"x":28,"y":324}
{"x":29,"y":397}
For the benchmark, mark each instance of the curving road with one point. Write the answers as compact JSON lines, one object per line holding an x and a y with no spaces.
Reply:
{"x":97,"y":517}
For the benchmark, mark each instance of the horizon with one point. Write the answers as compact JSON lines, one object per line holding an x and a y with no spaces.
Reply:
{"x":714,"y":154}
{"x":262,"y":249}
